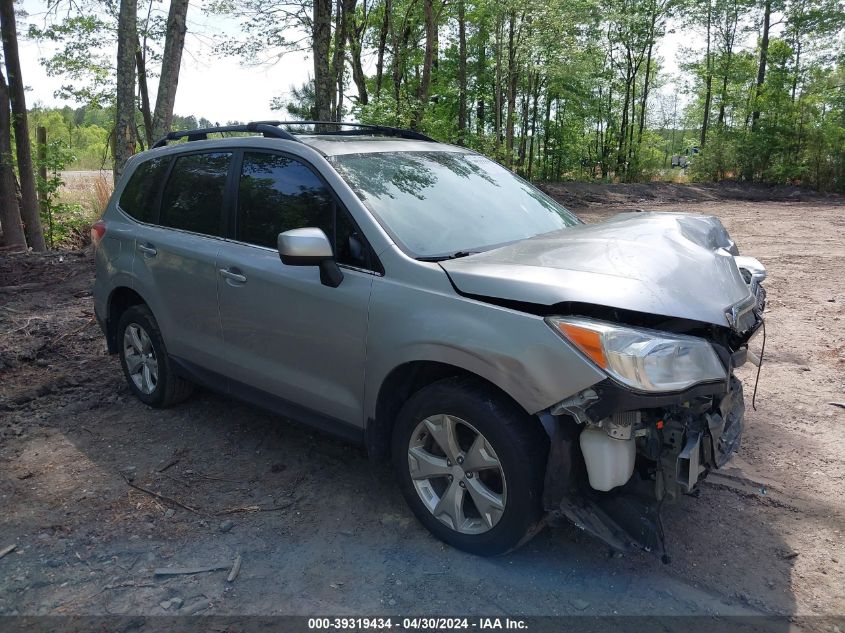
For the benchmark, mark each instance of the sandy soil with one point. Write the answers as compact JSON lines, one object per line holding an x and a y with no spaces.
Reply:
{"x":321,"y":530}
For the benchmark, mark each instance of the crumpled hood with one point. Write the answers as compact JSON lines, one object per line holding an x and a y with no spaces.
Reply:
{"x":670,"y":264}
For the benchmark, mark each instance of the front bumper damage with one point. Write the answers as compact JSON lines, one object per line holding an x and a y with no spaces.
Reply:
{"x":679,"y":439}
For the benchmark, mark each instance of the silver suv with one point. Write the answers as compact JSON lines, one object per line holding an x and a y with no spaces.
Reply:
{"x":515,"y":364}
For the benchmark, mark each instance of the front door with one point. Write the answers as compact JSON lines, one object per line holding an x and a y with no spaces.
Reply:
{"x":285,"y":333}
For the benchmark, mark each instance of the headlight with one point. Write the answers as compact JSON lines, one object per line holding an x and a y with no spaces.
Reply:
{"x":646,"y":360}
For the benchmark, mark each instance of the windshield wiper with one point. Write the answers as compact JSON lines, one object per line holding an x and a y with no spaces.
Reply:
{"x":440,"y":258}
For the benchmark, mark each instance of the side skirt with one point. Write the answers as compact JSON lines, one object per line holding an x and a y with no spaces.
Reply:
{"x":267,"y":401}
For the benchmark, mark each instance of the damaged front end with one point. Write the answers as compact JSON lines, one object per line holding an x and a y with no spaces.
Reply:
{"x":617,"y":453}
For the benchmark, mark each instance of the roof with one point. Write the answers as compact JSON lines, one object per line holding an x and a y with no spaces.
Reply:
{"x":348,"y":138}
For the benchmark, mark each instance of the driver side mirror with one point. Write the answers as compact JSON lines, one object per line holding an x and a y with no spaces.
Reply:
{"x":310,"y":247}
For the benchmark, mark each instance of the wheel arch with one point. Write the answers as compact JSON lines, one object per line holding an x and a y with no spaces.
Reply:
{"x":121,"y":299}
{"x":398,"y":386}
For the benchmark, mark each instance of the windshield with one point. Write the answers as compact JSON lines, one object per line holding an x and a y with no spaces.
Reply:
{"x":442,"y":204}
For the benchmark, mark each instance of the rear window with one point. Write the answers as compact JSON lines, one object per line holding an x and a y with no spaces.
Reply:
{"x":139,"y":196}
{"x":193,"y":197}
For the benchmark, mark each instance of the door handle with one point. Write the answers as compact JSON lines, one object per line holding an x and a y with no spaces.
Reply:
{"x":147,"y":250}
{"x":228,"y":274}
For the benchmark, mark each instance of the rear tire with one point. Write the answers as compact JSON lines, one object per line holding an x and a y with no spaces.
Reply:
{"x":145,"y":362}
{"x":482,"y":492}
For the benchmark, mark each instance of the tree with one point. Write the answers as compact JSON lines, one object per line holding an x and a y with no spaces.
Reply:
{"x":322,"y":36}
{"x":85,"y":40}
{"x":171,"y":62}
{"x":124,"y":130}
{"x":462,"y":72}
{"x":10,"y":214}
{"x":29,"y":198}
{"x":553,"y":90}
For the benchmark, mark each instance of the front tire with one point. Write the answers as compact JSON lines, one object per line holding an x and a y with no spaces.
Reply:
{"x":470,"y":463}
{"x":145,"y":362}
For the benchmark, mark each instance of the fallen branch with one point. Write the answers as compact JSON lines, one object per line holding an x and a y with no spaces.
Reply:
{"x":283,"y":506}
{"x":234,"y":481}
{"x":160,"y":496}
{"x":7,"y":550}
{"x":171,"y":462}
{"x":183,"y":571}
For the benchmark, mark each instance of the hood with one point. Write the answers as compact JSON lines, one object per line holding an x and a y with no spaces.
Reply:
{"x":669,"y":264}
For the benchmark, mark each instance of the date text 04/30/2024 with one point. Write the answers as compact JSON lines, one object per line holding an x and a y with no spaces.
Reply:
{"x":416,"y":624}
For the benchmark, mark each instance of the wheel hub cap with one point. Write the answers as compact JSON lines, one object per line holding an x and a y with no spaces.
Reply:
{"x":457,"y":474}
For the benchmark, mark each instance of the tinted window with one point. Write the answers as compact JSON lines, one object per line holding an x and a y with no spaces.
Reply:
{"x":276,"y":194}
{"x":193,"y":196}
{"x":139,"y":196}
{"x":440,"y":203}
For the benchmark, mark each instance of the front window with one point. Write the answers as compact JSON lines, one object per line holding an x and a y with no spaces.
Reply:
{"x":444,"y":204}
{"x":278,"y":193}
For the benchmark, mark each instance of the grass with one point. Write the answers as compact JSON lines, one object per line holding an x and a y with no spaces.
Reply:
{"x":82,"y":199}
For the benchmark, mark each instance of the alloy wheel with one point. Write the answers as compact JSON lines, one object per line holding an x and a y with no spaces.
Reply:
{"x":457,"y":474}
{"x":140,"y":357}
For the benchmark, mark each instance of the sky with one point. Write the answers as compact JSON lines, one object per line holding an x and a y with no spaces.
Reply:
{"x":222,"y":89}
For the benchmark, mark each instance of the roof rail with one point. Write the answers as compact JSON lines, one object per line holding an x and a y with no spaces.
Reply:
{"x":267,"y":128}
{"x":272,"y":129}
{"x":359,"y":128}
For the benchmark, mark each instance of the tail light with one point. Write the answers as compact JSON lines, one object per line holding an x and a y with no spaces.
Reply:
{"x":98,"y":230}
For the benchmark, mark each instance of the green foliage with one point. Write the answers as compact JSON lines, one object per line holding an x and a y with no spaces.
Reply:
{"x":554,"y":89}
{"x":63,"y":221}
{"x":84,"y":131}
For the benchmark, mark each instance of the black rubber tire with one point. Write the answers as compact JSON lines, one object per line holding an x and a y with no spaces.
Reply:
{"x":170,"y":389}
{"x":519,"y":441}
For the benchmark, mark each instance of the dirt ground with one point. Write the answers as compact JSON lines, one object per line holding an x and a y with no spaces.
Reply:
{"x":320,"y":530}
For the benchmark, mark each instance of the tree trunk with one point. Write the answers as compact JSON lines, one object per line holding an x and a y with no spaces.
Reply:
{"x":761,"y":68}
{"x":546,"y":129}
{"x":10,"y":213}
{"x":523,"y":128}
{"x":535,"y":98}
{"x":171,"y":61}
{"x":141,"y":65}
{"x":428,"y":62}
{"x":339,"y":60}
{"x":480,"y":118}
{"x":462,"y":72}
{"x":623,"y":125}
{"x":124,"y":135}
{"x":708,"y":94}
{"x":497,"y":85}
{"x":510,"y":122}
{"x":382,"y":43}
{"x":644,"y":97}
{"x":322,"y":35}
{"x":797,"y":69}
{"x":356,"y":33}
{"x":29,"y":198}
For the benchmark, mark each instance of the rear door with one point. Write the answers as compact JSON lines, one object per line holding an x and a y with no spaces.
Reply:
{"x":286,"y":333}
{"x":175,"y":259}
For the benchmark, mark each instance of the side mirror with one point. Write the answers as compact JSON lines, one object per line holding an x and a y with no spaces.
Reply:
{"x":310,"y":247}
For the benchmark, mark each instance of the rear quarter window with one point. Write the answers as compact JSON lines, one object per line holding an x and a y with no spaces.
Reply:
{"x":138,"y":198}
